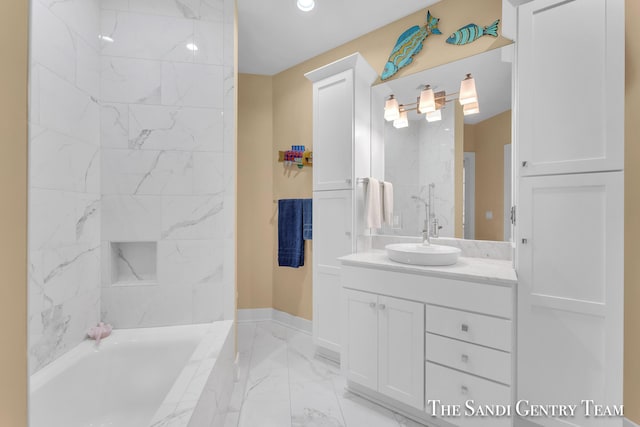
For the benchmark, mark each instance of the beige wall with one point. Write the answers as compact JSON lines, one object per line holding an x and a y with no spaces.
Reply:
{"x":292,"y":110}
{"x":487,"y":139}
{"x":291,"y":126}
{"x":255,"y":188}
{"x":632,"y":215}
{"x":13,"y":226}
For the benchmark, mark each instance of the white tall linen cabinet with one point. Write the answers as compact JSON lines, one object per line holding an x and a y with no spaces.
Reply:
{"x":341,"y":154}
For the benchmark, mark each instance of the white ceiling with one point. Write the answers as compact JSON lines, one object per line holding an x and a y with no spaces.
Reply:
{"x":276,"y":35}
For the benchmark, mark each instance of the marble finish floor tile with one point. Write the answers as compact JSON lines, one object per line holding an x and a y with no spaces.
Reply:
{"x":282,"y":384}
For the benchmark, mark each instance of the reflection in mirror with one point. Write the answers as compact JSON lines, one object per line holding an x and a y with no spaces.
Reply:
{"x":459,"y":165}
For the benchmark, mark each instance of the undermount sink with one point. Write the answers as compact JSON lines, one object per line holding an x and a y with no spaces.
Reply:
{"x":420,"y":254}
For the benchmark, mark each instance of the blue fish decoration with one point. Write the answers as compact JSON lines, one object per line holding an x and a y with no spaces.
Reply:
{"x":409,"y":43}
{"x":472,"y":32}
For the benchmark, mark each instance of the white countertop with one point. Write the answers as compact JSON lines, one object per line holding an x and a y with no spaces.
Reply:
{"x":476,"y":269}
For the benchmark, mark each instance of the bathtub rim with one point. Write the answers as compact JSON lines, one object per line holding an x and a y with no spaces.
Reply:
{"x":87,"y":347}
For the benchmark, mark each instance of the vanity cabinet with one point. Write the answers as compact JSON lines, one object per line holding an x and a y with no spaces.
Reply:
{"x":385,"y":339}
{"x":411,"y":338}
{"x":570,"y":90}
{"x":570,"y":225}
{"x":341,"y":151}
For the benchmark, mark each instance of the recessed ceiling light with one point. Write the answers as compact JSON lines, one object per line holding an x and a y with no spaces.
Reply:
{"x":192,"y":47}
{"x":306,"y":5}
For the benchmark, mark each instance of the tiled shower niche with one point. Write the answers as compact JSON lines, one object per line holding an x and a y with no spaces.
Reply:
{"x":134,"y":263}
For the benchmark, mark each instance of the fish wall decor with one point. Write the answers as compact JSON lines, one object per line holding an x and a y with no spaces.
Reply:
{"x":472,"y":32}
{"x":409,"y":43}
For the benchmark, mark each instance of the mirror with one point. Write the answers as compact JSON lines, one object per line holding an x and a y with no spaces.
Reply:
{"x":459,"y":165}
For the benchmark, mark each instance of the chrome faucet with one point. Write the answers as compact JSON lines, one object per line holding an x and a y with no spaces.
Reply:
{"x":426,"y":230}
{"x":431,"y":227}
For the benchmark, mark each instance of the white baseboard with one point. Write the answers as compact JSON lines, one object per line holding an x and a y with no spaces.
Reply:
{"x":261,"y":314}
{"x":297,"y":323}
{"x":629,"y":423}
{"x":254,"y":314}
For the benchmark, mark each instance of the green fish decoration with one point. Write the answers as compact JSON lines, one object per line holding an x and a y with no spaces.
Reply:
{"x":472,"y":32}
{"x":409,"y":43}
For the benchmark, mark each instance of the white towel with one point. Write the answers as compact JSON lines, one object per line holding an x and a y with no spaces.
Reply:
{"x":373,"y":205}
{"x":387,"y":202}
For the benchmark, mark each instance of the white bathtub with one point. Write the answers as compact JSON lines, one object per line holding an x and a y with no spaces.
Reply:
{"x":171,"y":376}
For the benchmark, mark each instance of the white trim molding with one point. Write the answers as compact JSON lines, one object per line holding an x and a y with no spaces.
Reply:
{"x":254,"y":314}
{"x":262,"y":314}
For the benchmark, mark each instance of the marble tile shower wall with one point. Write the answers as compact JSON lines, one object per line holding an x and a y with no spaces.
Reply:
{"x":64,"y":177}
{"x":129,"y":143}
{"x":166,"y":172}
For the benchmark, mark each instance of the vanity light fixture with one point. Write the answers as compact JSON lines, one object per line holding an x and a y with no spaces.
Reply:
{"x":468,"y":94}
{"x":402,"y":121}
{"x":306,"y":5}
{"x":431,"y":104}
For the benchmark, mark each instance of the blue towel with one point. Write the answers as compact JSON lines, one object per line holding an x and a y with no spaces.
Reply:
{"x":307,"y":219}
{"x":290,"y":242}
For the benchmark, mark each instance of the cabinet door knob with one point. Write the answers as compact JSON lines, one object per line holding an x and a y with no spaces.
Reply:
{"x":464,"y":327}
{"x":382,"y":306}
{"x":372,"y":304}
{"x":348,"y":180}
{"x":464,"y":389}
{"x":347,"y":233}
{"x":524,"y":164}
{"x":464,"y":358}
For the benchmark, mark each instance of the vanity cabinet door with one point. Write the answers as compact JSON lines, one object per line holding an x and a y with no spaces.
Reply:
{"x":401,"y":350}
{"x":333,"y":101}
{"x":570,"y":292}
{"x":570,"y":86}
{"x":360,"y":349}
{"x":332,"y":238}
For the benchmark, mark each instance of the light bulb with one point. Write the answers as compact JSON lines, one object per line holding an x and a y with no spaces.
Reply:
{"x":468,"y":94}
{"x":434,"y":116}
{"x":391,"y":109}
{"x":472,"y":108}
{"x":427,"y":101}
{"x":402,"y":121}
{"x":306,"y":5}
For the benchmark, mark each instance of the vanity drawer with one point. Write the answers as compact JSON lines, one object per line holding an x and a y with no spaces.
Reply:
{"x":475,"y":328}
{"x":482,"y":361}
{"x":451,"y":387}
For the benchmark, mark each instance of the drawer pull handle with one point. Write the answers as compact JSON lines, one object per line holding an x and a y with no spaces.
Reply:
{"x":372,"y":304}
{"x":464,"y":390}
{"x":382,"y":306}
{"x":464,"y":358}
{"x":464,"y":327}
